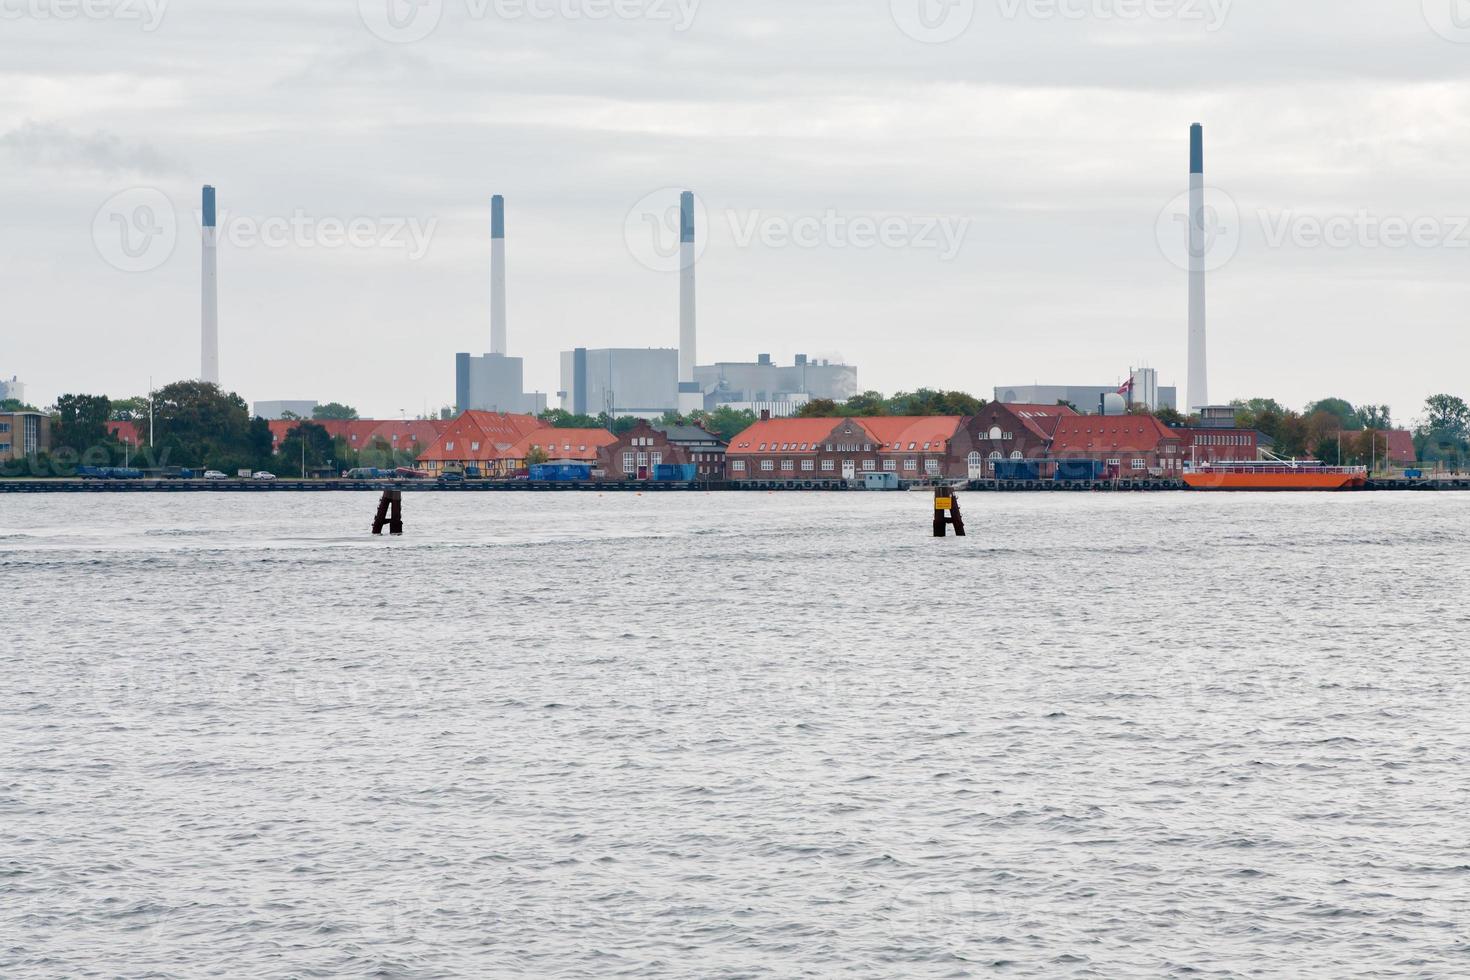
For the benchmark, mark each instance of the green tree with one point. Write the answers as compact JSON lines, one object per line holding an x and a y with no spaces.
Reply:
{"x":81,"y":424}
{"x":1340,"y":408}
{"x":130,"y":409}
{"x":260,"y":442}
{"x":868,"y":404}
{"x":1169,"y":416}
{"x":197,"y":424}
{"x":819,"y":408}
{"x":16,"y":405}
{"x":928,"y":402}
{"x":725,"y":422}
{"x":536,"y":457}
{"x":1443,"y":434}
{"x":335,"y":412}
{"x":559,"y":418}
{"x":320,"y":450}
{"x":1375,"y":416}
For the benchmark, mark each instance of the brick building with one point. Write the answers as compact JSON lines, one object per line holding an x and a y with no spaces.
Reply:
{"x":1131,"y":446}
{"x":23,"y":434}
{"x":480,"y":440}
{"x":1003,"y":431}
{"x":706,"y":450}
{"x":819,"y":450}
{"x":635,"y":454}
{"x":1219,"y":445}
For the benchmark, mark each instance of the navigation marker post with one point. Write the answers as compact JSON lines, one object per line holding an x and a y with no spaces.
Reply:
{"x":947,"y":512}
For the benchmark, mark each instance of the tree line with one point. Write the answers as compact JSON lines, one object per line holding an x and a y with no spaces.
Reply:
{"x":197,"y":426}
{"x":200,"y":426}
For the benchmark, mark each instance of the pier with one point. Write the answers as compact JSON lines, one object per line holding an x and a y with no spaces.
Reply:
{"x":1461,"y":483}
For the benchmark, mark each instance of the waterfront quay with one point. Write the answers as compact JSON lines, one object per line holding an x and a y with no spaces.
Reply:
{"x":1461,"y":483}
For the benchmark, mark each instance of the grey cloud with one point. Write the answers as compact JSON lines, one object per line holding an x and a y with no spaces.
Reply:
{"x":54,"y":147}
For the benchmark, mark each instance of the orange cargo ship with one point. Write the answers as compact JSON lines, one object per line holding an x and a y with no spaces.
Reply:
{"x":1275,"y":476}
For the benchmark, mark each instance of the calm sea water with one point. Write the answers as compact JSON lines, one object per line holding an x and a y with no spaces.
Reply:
{"x":735,"y":736}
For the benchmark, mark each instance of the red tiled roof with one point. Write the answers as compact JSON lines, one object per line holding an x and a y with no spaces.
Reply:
{"x":1112,"y":433}
{"x":564,"y":444}
{"x":362,"y":433}
{"x":931,"y":433}
{"x":794,"y":433}
{"x":1040,"y":419}
{"x":494,"y":433}
{"x":883,"y":433}
{"x":1401,"y":446}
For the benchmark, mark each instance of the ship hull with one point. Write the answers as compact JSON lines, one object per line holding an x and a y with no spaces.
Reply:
{"x":1281,"y":482}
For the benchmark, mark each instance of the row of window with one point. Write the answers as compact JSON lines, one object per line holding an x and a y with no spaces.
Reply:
{"x":641,"y":460}
{"x":931,"y":466}
{"x":1228,"y":439}
{"x":802,"y":447}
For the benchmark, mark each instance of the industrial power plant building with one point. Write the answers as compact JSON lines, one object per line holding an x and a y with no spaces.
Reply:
{"x":620,"y":380}
{"x":495,"y":382}
{"x":1145,"y":392}
{"x":744,"y":384}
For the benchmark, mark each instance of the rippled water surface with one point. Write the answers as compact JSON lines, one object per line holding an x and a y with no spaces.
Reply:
{"x":735,"y":735}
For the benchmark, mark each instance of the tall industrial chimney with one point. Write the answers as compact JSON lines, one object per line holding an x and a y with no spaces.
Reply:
{"x":209,"y":291}
{"x":497,"y":275}
{"x":1199,"y":374}
{"x":690,"y":398}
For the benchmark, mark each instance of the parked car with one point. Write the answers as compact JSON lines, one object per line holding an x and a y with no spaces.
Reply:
{"x":263,"y":475}
{"x":407,"y":473}
{"x":214,"y":475}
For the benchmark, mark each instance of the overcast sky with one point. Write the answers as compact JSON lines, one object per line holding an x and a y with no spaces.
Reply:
{"x":944,"y":192}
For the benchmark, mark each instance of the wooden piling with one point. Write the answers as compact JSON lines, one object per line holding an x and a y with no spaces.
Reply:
{"x":390,"y":513}
{"x":947,"y":512}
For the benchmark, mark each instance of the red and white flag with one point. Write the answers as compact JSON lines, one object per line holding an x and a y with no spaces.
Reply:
{"x":1127,"y":388}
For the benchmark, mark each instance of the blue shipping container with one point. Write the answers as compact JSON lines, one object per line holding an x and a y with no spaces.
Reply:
{"x":674,"y":473}
{"x":1081,"y":469}
{"x":1017,"y":469}
{"x":560,"y":472}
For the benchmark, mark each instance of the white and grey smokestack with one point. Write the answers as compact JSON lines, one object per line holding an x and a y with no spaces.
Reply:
{"x":1199,"y":373}
{"x":686,"y":289}
{"x":497,"y":275}
{"x":209,"y":295}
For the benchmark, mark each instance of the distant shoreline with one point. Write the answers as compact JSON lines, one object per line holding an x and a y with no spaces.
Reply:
{"x":237,"y":486}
